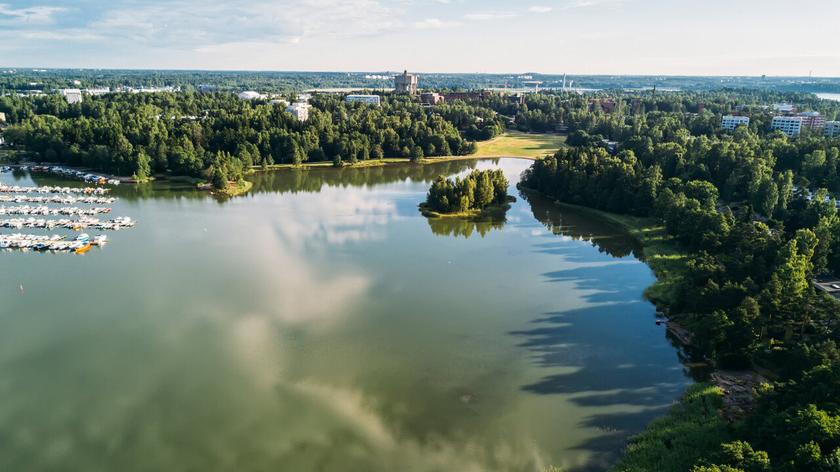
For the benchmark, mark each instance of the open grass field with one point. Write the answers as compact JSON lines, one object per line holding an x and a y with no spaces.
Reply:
{"x":516,"y":144}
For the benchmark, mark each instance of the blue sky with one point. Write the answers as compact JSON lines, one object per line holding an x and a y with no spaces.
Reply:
{"x":718,"y":37}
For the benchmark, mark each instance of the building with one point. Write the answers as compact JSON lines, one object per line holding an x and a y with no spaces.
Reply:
{"x":250,"y":95}
{"x":97,"y":91}
{"x":790,"y":125}
{"x":731,"y":122}
{"x":605,"y":105}
{"x":300,"y":110}
{"x":832,"y":129}
{"x":829,"y":285}
{"x":367,"y":99}
{"x":784,"y":107}
{"x":812,"y":119}
{"x":72,"y":95}
{"x":406,"y":83}
{"x":430,"y":98}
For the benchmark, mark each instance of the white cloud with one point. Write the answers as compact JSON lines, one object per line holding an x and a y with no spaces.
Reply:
{"x":73,"y":34}
{"x":28,"y":15}
{"x":590,"y":3}
{"x":540,"y":9}
{"x":220,"y":22}
{"x":435,"y":23}
{"x":490,"y":15}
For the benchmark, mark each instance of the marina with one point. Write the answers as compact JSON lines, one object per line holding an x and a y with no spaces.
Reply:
{"x":67,"y":173}
{"x":57,"y":200}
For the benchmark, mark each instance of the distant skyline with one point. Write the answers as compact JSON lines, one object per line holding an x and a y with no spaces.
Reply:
{"x":644,"y":37}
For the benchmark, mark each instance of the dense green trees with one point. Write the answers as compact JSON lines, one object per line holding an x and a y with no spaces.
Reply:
{"x":219,"y":136}
{"x":476,"y":191}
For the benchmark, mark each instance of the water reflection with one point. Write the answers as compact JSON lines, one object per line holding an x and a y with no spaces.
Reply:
{"x":464,"y":227}
{"x":316,"y":179}
{"x":580,"y":226}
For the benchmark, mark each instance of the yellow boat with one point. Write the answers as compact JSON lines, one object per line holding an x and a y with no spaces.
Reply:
{"x":84,"y":249}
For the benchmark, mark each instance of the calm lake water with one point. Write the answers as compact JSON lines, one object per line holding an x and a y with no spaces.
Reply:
{"x":320,"y":323}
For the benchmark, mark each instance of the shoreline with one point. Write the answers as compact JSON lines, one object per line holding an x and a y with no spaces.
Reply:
{"x":711,"y":405}
{"x":388,"y":161}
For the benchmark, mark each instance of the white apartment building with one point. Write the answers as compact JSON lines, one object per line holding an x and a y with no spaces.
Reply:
{"x":731,"y":122}
{"x":368,"y":99}
{"x":832,"y":129}
{"x":300,"y":110}
{"x":790,"y":125}
{"x":72,"y":95}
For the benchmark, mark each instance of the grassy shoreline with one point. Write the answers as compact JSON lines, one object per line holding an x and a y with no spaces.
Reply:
{"x":659,"y":251}
{"x":236,"y":188}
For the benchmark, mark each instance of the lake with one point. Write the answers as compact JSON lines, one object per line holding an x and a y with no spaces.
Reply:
{"x":321,"y":323}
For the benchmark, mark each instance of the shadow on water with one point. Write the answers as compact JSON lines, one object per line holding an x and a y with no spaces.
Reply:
{"x":604,"y":235}
{"x":610,"y":353}
{"x":601,"y":359}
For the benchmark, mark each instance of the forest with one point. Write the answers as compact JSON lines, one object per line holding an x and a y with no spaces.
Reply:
{"x":753,"y":214}
{"x":476,"y":191}
{"x":218,"y":136}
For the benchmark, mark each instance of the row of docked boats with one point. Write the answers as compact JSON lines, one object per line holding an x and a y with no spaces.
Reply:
{"x":53,"y":189}
{"x":25,"y":242}
{"x":31,"y":207}
{"x":76,"y":225}
{"x":44,"y":210}
{"x":62,"y":199}
{"x":72,"y":174}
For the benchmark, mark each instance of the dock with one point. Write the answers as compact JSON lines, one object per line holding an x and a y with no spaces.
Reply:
{"x":30,"y":207}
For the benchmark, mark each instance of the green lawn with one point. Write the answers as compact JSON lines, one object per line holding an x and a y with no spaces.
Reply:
{"x":516,"y":144}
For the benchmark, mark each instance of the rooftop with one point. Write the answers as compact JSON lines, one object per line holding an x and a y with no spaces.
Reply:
{"x":830,"y":285}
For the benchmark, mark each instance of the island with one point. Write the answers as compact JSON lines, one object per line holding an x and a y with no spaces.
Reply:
{"x":480,"y":194}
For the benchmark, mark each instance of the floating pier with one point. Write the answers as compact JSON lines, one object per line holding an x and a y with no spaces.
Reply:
{"x":44,"y":210}
{"x":75,"y":225}
{"x":38,"y":242}
{"x":62,"y":199}
{"x":54,"y":189}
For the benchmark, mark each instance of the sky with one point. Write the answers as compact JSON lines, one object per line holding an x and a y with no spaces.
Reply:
{"x":650,"y":37}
